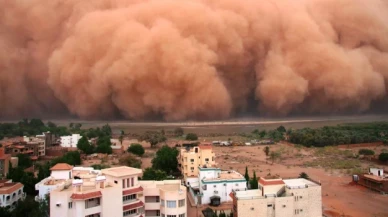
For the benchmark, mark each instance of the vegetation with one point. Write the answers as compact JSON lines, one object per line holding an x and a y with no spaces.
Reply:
{"x":246,"y":174}
{"x":154,"y":174}
{"x":24,"y":161}
{"x":383,"y":157}
{"x":136,"y":149}
{"x":191,"y":137}
{"x":266,"y":150}
{"x":303,"y":175}
{"x":341,"y":134}
{"x":130,"y":160}
{"x":100,"y":166}
{"x":85,"y":146}
{"x":178,"y":131}
{"x":366,"y":152}
{"x":121,"y":137}
{"x":166,"y":160}
{"x":28,"y":208}
{"x":104,"y":145}
{"x":254,"y":181}
{"x":153,"y":137}
{"x":274,"y":155}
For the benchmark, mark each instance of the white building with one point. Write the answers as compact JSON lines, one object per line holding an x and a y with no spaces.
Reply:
{"x":116,"y":192}
{"x":70,"y":141}
{"x":10,"y":193}
{"x":216,"y":185}
{"x":279,"y":198}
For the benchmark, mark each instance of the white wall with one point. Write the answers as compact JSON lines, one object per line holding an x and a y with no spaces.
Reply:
{"x":61,"y":174}
{"x":221,"y":189}
{"x":70,"y":141}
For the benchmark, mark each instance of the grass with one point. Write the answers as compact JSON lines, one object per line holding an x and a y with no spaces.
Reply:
{"x":334,"y":163}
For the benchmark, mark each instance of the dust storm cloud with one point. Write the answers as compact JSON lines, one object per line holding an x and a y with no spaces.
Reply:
{"x":191,"y":59}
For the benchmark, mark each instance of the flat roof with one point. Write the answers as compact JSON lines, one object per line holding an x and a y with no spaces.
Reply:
{"x":121,"y":171}
{"x":166,"y":185}
{"x":299,"y":182}
{"x":226,"y":175}
{"x":248,"y":193}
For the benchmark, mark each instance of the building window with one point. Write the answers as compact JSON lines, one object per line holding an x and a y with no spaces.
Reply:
{"x":129,"y":197}
{"x":162,"y":203}
{"x":171,"y":215}
{"x":116,"y":182}
{"x":206,"y":159}
{"x":181,"y":203}
{"x":192,"y":160}
{"x":70,"y":205}
{"x":94,"y":215}
{"x":128,"y":183}
{"x":89,"y":203}
{"x":192,"y":168}
{"x":129,"y":212}
{"x":132,"y":182}
{"x":123,"y":183}
{"x":171,"y":204}
{"x":182,"y":215}
{"x":212,"y":158}
{"x":20,"y":192}
{"x":269,"y":205}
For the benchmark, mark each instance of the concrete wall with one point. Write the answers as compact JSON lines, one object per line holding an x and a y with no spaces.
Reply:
{"x":62,"y":174}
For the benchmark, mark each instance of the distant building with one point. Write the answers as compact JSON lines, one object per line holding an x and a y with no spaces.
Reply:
{"x":70,"y":141}
{"x":112,"y":192}
{"x":10,"y":193}
{"x":279,"y":198}
{"x":33,"y":148}
{"x":376,"y":179}
{"x":189,"y":159}
{"x":4,"y":162}
{"x":39,"y":142}
{"x":216,"y":185}
{"x":48,"y":137}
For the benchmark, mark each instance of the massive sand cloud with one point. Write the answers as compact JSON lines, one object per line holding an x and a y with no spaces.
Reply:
{"x":191,"y":59}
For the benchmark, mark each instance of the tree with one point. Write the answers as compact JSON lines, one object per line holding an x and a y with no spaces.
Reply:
{"x":71,"y":158}
{"x":274,"y":155}
{"x":136,"y":149}
{"x":366,"y":152}
{"x":24,"y":161}
{"x":29,"y":181}
{"x":44,"y":171}
{"x":254,"y":181}
{"x":246,"y":174}
{"x":100,"y":166}
{"x":383,"y":157}
{"x":104,"y":145}
{"x":153,"y":137}
{"x":106,"y":130}
{"x":262,"y":134}
{"x":130,"y":161}
{"x":84,"y":145}
{"x":281,"y":129}
{"x":154,"y":174}
{"x":166,"y":159}
{"x":121,"y":137}
{"x":191,"y":136}
{"x":303,"y":175}
{"x":178,"y":131}
{"x":266,"y":150}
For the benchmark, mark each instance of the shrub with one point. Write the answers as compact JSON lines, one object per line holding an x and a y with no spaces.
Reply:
{"x":136,"y":149}
{"x":191,"y":136}
{"x":383,"y":157}
{"x":366,"y":152}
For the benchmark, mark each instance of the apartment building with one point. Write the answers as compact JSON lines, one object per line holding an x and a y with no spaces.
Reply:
{"x":189,"y":159}
{"x":279,"y":198}
{"x":115,"y":192}
{"x":39,"y":142}
{"x":70,"y":141}
{"x":10,"y":193}
{"x":215,"y":185}
{"x":4,"y":163}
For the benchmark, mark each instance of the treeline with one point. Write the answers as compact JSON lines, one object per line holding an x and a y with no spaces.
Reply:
{"x":35,"y":127}
{"x":340,"y":134}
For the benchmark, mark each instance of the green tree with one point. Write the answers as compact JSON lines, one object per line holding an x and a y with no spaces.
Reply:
{"x":254,"y":181}
{"x":262,"y":134}
{"x":24,"y":161}
{"x":178,"y":131}
{"x":383,"y":157}
{"x":246,"y":174}
{"x":106,"y":130}
{"x":166,"y":159}
{"x":281,"y":129}
{"x":100,"y":166}
{"x":303,"y":175}
{"x":266,"y":150}
{"x":153,"y":137}
{"x":121,"y":137}
{"x":154,"y":174}
{"x":191,"y":136}
{"x":44,"y":171}
{"x":71,"y":158}
{"x":136,"y":149}
{"x":104,"y":145}
{"x":29,"y":181}
{"x":84,"y":145}
{"x":130,"y":161}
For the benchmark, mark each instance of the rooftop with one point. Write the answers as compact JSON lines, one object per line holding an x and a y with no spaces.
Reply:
{"x":266,"y":182}
{"x":9,"y":188}
{"x":166,"y":185}
{"x":226,"y":175}
{"x":61,"y":166}
{"x":299,"y":182}
{"x":121,"y":171}
{"x":376,"y":178}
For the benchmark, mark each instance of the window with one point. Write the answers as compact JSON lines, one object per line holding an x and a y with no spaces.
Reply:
{"x":162,"y":203}
{"x":20,"y":191}
{"x":129,"y":197}
{"x":206,"y":159}
{"x":300,"y":197}
{"x":212,"y":158}
{"x":171,"y":204}
{"x":127,"y":182}
{"x":182,"y":215}
{"x":129,"y":212}
{"x":132,"y":182}
{"x":236,"y":184}
{"x":214,"y":186}
{"x":284,"y":206}
{"x":192,"y":160}
{"x":181,"y":203}
{"x":70,"y":205}
{"x":116,"y":182}
{"x":192,"y":168}
{"x":171,"y":215}
{"x":269,"y":205}
{"x":93,"y":215}
{"x":123,"y":183}
{"x":89,"y":203}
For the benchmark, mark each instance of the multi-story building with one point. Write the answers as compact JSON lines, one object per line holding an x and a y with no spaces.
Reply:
{"x":10,"y":193}
{"x":4,"y":162}
{"x":28,"y":148}
{"x":279,"y":198}
{"x":39,"y":142}
{"x":189,"y":159}
{"x":216,"y":185}
{"x":115,"y":192}
{"x":375,"y":180}
{"x":70,"y":141}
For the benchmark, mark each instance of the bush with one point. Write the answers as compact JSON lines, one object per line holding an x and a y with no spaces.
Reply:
{"x":178,"y":131}
{"x":191,"y":136}
{"x":130,"y":161}
{"x":366,"y":152}
{"x":136,"y":149}
{"x":153,"y":174}
{"x":383,"y":157}
{"x":303,"y":175}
